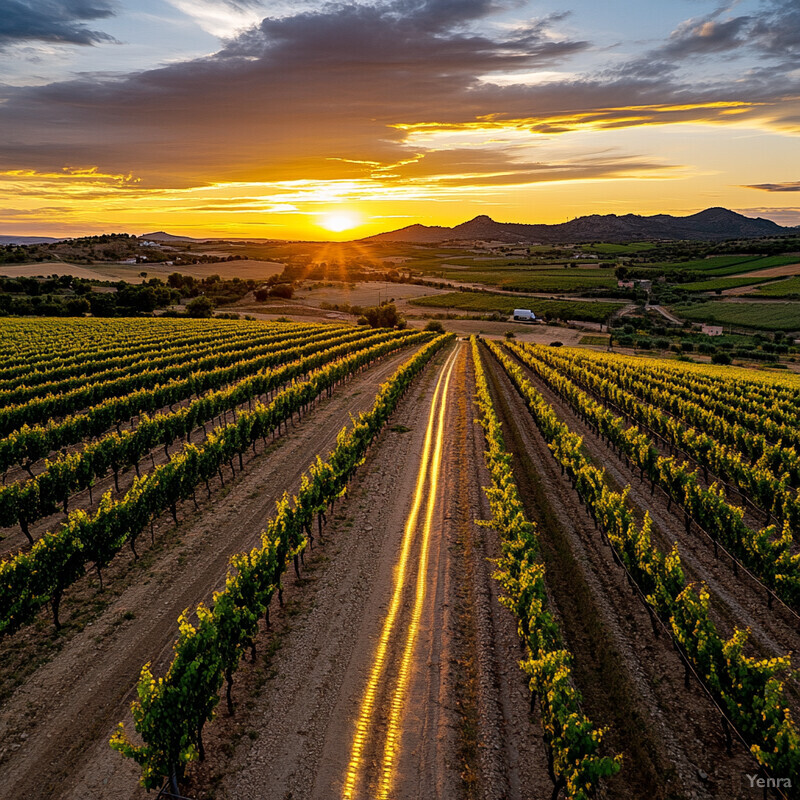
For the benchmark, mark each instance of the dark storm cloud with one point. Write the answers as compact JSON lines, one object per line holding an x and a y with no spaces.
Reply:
{"x":788,"y":186}
{"x":58,"y":21}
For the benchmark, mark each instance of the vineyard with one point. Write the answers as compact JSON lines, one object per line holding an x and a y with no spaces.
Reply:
{"x":272,"y":560}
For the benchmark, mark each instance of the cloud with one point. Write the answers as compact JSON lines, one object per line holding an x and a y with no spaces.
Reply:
{"x":787,"y":215}
{"x":777,"y":32}
{"x":59,"y":21}
{"x":341,"y":94}
{"x":310,"y":93}
{"x":787,"y":186}
{"x":223,"y":18}
{"x":706,"y":36}
{"x":771,"y":36}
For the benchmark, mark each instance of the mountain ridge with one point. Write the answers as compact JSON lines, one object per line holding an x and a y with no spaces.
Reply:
{"x":7,"y":239}
{"x":714,"y":223}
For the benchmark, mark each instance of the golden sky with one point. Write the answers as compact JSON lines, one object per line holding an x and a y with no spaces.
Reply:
{"x":309,"y":120}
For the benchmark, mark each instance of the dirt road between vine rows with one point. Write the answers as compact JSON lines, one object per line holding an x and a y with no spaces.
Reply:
{"x":395,"y":668}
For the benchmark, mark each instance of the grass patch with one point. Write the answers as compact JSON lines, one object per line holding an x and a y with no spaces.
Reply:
{"x":487,"y":302}
{"x":759,"y":316}
{"x":608,"y":248}
{"x":789,"y":288}
{"x":720,"y":284}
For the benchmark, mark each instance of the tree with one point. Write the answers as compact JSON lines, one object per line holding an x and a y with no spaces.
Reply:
{"x":201,"y":306}
{"x":77,"y":306}
{"x":383,"y":316}
{"x":284,"y":290}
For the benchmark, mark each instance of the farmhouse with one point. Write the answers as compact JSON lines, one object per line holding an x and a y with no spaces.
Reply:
{"x":712,"y":330}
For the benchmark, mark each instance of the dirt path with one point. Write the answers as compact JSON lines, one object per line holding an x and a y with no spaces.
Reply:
{"x":54,"y":729}
{"x":460,"y":726}
{"x":670,"y":736}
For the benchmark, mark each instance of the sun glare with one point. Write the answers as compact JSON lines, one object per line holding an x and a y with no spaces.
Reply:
{"x":338,"y":221}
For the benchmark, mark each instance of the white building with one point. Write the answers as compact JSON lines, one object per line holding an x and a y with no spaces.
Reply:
{"x":712,"y":330}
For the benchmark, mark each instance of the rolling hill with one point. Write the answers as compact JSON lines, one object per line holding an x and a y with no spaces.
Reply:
{"x":711,"y":224}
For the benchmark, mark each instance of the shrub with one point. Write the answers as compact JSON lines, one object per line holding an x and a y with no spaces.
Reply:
{"x":383,"y":316}
{"x":201,"y":306}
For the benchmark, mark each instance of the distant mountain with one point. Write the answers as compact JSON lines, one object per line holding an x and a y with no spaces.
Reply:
{"x":27,"y":240}
{"x":161,"y":236}
{"x":711,"y":224}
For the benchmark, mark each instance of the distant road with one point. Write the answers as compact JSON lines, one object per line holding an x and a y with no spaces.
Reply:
{"x":666,"y":314}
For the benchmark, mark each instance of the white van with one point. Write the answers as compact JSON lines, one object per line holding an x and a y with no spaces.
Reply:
{"x":524,"y":315}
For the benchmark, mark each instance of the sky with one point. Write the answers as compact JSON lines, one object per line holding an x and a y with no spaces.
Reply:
{"x":314,"y":120}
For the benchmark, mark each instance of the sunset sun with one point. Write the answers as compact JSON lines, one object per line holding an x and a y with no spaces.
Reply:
{"x":338,"y":221}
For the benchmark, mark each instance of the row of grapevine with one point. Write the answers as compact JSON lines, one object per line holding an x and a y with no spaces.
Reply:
{"x":778,"y":458}
{"x":572,"y":739}
{"x":27,"y":502}
{"x":171,"y":711}
{"x":34,"y":385}
{"x":750,"y":416}
{"x":768,"y":552}
{"x":120,"y":358}
{"x":738,"y":384}
{"x":767,"y":491}
{"x":31,"y":443}
{"x":32,"y":579}
{"x":749,"y":691}
{"x":81,"y":395}
{"x":34,"y":343}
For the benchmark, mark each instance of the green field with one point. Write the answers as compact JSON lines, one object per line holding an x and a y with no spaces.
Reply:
{"x":720,"y":266}
{"x":757,"y":264}
{"x":617,"y":249}
{"x":594,"y":340}
{"x":703,"y":264}
{"x":759,"y":316}
{"x":790,"y":287}
{"x":564,"y":280}
{"x":713,"y":284}
{"x":487,"y":303}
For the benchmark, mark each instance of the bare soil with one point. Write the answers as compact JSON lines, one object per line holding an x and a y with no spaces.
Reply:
{"x":786,"y":269}
{"x":111,"y":271}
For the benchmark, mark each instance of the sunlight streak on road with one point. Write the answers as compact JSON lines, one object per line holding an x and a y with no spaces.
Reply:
{"x":379,"y":661}
{"x":392,"y":743}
